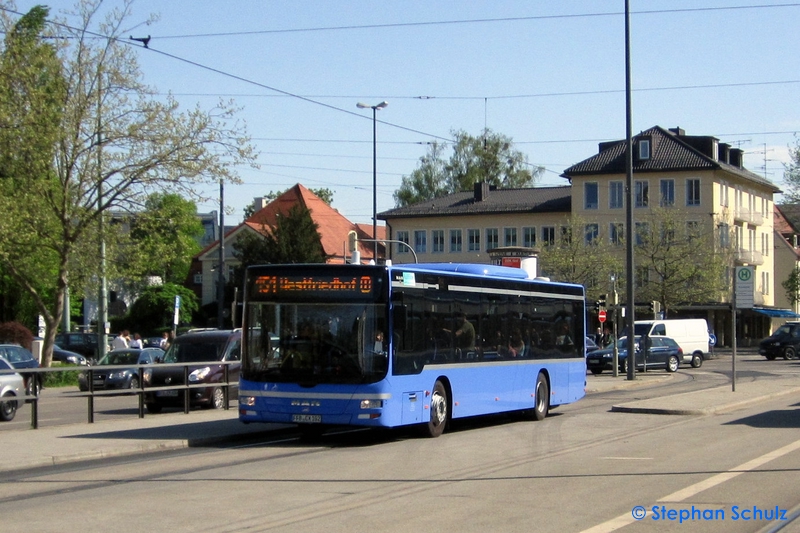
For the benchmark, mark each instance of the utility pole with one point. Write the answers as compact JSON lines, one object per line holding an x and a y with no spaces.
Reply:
{"x":629,"y":266}
{"x":102,"y":299}
{"x":221,"y":266}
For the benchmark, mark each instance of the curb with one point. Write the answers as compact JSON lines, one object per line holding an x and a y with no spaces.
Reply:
{"x":720,"y":408}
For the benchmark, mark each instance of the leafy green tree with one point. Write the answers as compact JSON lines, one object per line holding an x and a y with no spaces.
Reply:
{"x":791,"y":174}
{"x":580,"y":255}
{"x":489,"y":157}
{"x":164,"y":237}
{"x":669,"y":268}
{"x":104,"y":141}
{"x":154,"y":309}
{"x":792,"y":286}
{"x":293,"y":239}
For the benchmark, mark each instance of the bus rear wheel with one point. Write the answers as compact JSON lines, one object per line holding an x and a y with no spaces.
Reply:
{"x":542,"y":398}
{"x":439,"y":411}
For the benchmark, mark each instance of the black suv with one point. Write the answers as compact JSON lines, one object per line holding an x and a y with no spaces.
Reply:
{"x":82,"y":343}
{"x":206,"y":351}
{"x":785,"y":342}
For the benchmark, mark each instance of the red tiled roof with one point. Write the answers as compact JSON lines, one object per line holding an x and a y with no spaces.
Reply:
{"x":333,"y":227}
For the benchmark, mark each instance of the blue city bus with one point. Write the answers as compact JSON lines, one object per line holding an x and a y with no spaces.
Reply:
{"x":398,"y":345}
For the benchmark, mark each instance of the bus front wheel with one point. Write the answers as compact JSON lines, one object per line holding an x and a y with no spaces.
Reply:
{"x":439,"y":410}
{"x":542,"y":396}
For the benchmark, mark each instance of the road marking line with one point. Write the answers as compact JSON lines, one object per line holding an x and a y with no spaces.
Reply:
{"x":690,"y":491}
{"x":678,"y":496}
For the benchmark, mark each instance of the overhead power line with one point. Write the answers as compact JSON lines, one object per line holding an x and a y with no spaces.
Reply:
{"x":477,"y":21}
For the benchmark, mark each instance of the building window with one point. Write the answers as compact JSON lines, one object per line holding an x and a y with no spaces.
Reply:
{"x":616,"y":193}
{"x":692,"y":192}
{"x":667,"y":193}
{"x":529,"y":237}
{"x":765,"y":283}
{"x":548,"y":235}
{"x":492,"y":238}
{"x":474,"y":240}
{"x":437,"y":236}
{"x":198,"y":279}
{"x":724,"y":235}
{"x":642,"y":233}
{"x":616,"y":233}
{"x":420,"y":241}
{"x":455,"y":240}
{"x":566,"y":235}
{"x":590,"y":195}
{"x":692,"y":230}
{"x":765,"y":244}
{"x":642,"y":192}
{"x":723,"y":195}
{"x":644,"y":149}
{"x":402,"y":236}
{"x":510,"y":236}
{"x":592,"y":232}
{"x":642,"y":276}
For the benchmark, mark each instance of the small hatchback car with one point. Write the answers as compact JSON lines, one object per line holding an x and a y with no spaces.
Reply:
{"x":785,"y":342}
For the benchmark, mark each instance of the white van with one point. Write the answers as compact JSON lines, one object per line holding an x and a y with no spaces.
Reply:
{"x":691,"y":334}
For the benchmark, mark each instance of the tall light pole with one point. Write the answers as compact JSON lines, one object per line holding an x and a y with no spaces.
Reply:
{"x":221,"y":271}
{"x":374,"y":170}
{"x":629,"y":233}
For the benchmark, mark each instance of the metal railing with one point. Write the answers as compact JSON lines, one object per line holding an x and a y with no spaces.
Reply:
{"x":141,"y":390}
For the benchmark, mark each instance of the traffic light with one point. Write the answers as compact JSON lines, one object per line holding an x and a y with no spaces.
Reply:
{"x":655,"y":307}
{"x":602,"y":302}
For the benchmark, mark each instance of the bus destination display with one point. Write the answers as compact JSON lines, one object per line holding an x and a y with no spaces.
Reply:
{"x":320,"y":285}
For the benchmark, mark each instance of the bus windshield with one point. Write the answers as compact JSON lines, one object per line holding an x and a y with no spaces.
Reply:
{"x":316,"y":343}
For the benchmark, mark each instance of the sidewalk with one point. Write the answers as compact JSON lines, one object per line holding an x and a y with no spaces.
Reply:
{"x":114,"y":438}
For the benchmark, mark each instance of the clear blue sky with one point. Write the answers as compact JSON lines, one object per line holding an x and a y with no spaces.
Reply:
{"x":549,"y":74}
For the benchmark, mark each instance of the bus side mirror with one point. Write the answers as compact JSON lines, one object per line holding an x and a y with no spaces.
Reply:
{"x":399,"y":317}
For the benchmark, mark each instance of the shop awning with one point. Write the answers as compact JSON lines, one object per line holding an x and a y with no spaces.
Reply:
{"x":776,"y":313}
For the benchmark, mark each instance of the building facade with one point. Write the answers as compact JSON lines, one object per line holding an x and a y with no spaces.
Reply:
{"x":698,"y":178}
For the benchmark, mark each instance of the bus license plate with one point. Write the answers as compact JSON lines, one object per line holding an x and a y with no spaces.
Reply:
{"x":307,"y":419}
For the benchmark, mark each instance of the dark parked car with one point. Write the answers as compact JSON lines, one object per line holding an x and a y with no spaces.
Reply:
{"x":11,"y":385}
{"x":785,"y":342}
{"x":206,"y":350}
{"x":67,"y":357}
{"x":591,"y":346}
{"x":664,"y":353}
{"x":82,"y":343}
{"x":119,"y":378}
{"x":20,"y":358}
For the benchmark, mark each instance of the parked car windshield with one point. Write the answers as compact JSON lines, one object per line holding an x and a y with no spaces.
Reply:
{"x":195,"y":352}
{"x":18,"y":355}
{"x":121,"y":358}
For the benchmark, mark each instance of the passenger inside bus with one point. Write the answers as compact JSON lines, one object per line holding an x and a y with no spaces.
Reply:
{"x":516,"y":346}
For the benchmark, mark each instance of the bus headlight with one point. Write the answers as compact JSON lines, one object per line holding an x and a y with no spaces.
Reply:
{"x":371,"y":404}
{"x":248,"y":401}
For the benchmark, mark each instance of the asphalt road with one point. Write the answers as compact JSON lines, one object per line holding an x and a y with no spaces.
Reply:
{"x":584,"y":468}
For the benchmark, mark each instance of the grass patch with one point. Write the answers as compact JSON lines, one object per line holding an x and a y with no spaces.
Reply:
{"x":67,"y":378}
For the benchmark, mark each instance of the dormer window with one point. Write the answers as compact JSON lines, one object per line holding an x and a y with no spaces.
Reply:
{"x":643,"y":149}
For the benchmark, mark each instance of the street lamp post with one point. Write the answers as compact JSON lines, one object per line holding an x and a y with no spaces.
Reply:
{"x":375,"y":109}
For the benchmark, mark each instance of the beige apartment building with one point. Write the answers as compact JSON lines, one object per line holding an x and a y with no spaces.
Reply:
{"x":698,"y":176}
